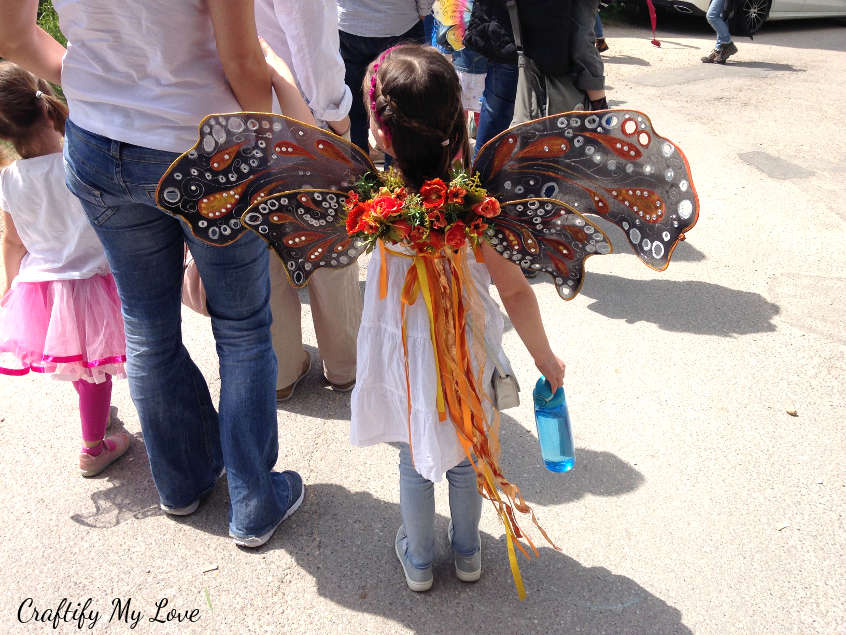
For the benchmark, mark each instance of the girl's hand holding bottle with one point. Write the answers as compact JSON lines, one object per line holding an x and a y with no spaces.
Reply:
{"x":552,"y":368}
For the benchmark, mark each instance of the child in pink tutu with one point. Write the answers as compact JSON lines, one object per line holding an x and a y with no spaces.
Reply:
{"x":59,"y":312}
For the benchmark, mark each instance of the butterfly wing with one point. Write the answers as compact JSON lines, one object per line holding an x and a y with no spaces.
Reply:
{"x":243,"y":158}
{"x":305,"y":229}
{"x":543,"y":235}
{"x":610,"y":163}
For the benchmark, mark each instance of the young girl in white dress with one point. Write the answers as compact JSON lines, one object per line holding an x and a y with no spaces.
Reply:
{"x":59,"y":311}
{"x":417,"y":117}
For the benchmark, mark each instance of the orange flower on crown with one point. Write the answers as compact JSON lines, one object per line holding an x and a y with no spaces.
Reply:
{"x":433,"y":193}
{"x":488,"y":207}
{"x":478,"y":226}
{"x":456,"y":195}
{"x":437,"y":218}
{"x":456,"y":235}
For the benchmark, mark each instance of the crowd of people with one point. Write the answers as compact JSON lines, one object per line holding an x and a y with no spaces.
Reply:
{"x":95,"y":271}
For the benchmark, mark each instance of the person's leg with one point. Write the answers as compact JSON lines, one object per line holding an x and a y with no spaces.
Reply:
{"x":465,"y":508}
{"x":98,"y":451}
{"x":357,"y":54}
{"x":335,"y":299}
{"x":714,"y":16}
{"x":286,"y":330}
{"x":94,"y":402}
{"x":417,"y":506}
{"x":497,"y":108}
{"x":145,"y":252}
{"x":237,"y":295}
{"x":599,"y":35}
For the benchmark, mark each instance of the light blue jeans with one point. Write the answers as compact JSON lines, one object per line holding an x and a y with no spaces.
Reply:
{"x":417,"y":506}
{"x":187,"y":440}
{"x":715,"y":19}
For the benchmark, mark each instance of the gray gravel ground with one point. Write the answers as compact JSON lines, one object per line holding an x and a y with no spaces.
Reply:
{"x":697,"y":503}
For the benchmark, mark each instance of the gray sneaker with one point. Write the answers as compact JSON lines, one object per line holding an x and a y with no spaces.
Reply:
{"x":418,"y":580}
{"x":295,"y":482}
{"x":467,"y":568}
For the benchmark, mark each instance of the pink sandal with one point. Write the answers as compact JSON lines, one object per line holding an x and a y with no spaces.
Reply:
{"x":94,"y":460}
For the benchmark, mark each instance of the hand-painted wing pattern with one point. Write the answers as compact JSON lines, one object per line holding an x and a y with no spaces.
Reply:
{"x":610,"y":163}
{"x":542,"y":235}
{"x":244,"y":158}
{"x":305,"y":229}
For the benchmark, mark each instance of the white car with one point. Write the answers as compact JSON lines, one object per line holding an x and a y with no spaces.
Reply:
{"x":750,"y":15}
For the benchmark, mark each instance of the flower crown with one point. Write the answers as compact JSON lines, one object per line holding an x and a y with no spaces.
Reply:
{"x":381,"y":208}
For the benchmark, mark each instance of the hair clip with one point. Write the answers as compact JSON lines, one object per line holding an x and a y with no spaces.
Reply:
{"x":445,"y":143}
{"x":38,"y":94}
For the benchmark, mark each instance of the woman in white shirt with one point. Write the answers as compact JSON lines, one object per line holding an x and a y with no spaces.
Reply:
{"x":139,"y":76}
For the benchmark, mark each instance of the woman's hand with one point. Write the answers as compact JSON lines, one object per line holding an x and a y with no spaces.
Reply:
{"x":285,"y":86}
{"x":553,"y":369}
{"x":341,"y":127}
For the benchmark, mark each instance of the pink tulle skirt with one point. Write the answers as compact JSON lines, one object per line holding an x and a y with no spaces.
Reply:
{"x":70,"y":328}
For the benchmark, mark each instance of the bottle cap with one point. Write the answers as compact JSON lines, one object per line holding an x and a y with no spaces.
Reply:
{"x":543,"y":394}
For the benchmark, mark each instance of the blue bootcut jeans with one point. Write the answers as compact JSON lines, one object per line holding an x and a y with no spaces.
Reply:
{"x":187,"y":441}
{"x":417,"y":507}
{"x":497,"y":107}
{"x":715,"y":19}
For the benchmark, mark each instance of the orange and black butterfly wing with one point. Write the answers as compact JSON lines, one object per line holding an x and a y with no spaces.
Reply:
{"x":545,"y":236}
{"x":610,"y":163}
{"x":305,"y":228}
{"x":243,"y":158}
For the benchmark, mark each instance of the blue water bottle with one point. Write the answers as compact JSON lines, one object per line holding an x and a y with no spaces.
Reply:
{"x":554,"y":433}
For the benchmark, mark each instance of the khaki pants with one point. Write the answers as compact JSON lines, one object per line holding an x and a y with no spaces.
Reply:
{"x":335,"y":299}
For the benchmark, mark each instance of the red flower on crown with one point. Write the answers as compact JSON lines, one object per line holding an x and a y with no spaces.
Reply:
{"x":436,"y":240}
{"x":385,"y":206}
{"x":356,"y":216}
{"x":433,"y":193}
{"x":402,"y":227}
{"x":456,"y":235}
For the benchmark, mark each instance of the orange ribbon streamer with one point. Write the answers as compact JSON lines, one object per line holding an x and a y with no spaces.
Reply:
{"x":448,"y":291}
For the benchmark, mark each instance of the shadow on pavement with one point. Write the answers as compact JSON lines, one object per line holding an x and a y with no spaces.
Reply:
{"x":598,"y":473}
{"x":131,"y":493}
{"x":344,"y":541}
{"x":767,"y":66}
{"x":628,"y":60}
{"x":692,"y":307}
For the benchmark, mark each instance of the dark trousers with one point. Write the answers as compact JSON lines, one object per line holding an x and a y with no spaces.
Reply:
{"x":358,"y":52}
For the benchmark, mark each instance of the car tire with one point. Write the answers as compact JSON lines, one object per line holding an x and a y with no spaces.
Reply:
{"x":749,"y":16}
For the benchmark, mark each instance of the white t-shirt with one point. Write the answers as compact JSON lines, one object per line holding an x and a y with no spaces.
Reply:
{"x":50,"y":222}
{"x":143,"y":73}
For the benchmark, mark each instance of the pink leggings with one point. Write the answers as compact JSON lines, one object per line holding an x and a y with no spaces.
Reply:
{"x":94,"y":401}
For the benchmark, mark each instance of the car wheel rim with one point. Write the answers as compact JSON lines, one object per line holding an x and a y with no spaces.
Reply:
{"x":755,"y":12}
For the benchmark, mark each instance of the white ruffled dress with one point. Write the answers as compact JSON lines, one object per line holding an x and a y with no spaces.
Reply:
{"x":380,"y":400}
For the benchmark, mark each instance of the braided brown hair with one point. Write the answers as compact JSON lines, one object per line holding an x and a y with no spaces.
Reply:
{"x":417,"y":98}
{"x":26,"y":104}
